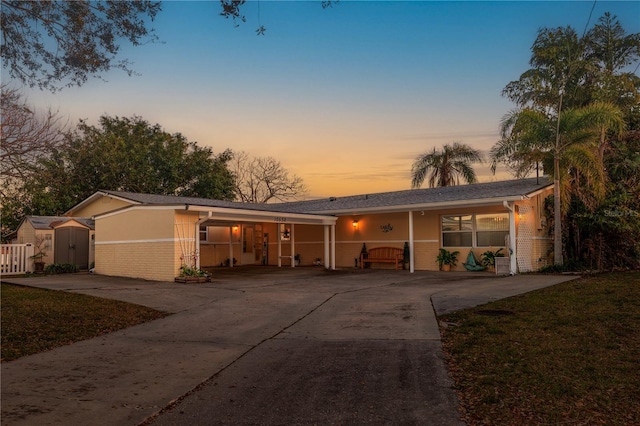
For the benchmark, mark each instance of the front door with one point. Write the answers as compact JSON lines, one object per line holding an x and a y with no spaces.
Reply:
{"x":248,"y":245}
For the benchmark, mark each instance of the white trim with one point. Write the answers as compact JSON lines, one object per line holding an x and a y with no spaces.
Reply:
{"x":158,"y":240}
{"x":232,"y":214}
{"x":96,"y":195}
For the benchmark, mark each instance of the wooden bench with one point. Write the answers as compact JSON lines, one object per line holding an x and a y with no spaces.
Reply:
{"x":383,"y":255}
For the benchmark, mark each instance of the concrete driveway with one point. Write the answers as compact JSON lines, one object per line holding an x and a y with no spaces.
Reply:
{"x":261,"y":346}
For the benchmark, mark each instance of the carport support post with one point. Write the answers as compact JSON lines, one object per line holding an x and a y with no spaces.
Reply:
{"x":293,"y":245}
{"x":279,"y":245}
{"x":327,"y":264}
{"x":231,"y":246}
{"x":333,"y":247}
{"x":411,"y":260}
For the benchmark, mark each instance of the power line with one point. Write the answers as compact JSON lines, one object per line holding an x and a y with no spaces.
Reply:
{"x":589,"y":20}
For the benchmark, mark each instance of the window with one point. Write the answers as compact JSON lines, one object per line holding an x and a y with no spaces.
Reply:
{"x":479,"y":230}
{"x":48,"y":242}
{"x":457,"y":231}
{"x":491,"y":229}
{"x":204,"y":234}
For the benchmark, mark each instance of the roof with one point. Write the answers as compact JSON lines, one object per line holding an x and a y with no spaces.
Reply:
{"x":50,"y":222}
{"x":472,"y":194}
{"x":424,"y":199}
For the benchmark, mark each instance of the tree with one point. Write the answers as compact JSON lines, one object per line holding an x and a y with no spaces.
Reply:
{"x":231,"y":9}
{"x":263,"y":179}
{"x":26,"y":135}
{"x":126,"y":154}
{"x":557,"y":67}
{"x":529,"y":138}
{"x":55,"y":44}
{"x":609,"y":50}
{"x":446,"y":167}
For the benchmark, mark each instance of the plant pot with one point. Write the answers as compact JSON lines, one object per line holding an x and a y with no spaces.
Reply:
{"x":193,"y":279}
{"x":39,"y":267}
{"x":446,"y":268}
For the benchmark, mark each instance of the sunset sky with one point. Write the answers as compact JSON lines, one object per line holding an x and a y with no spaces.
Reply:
{"x":344,"y":97}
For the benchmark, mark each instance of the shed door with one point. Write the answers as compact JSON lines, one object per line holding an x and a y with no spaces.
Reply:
{"x":72,"y":246}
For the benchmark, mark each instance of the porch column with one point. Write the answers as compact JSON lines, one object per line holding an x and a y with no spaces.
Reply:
{"x":231,"y":246}
{"x":327,"y":263}
{"x":293,"y":245}
{"x":199,"y":223}
{"x":333,"y":247}
{"x":279,"y":237}
{"x":513,"y":261}
{"x":411,"y":257}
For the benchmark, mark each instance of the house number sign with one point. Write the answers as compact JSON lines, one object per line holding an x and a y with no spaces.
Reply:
{"x":386,"y":228}
{"x":279,"y":219}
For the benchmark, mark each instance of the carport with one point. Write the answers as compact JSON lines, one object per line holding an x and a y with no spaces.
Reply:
{"x":285,"y":222}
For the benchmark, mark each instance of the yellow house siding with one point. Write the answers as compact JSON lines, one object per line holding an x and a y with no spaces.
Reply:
{"x":101,"y":205}
{"x":149,"y":261}
{"x":140,"y":244}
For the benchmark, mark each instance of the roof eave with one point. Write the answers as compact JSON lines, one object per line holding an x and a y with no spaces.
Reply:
{"x":426,"y":206}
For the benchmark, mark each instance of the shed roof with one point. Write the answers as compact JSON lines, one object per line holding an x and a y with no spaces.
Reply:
{"x":49,"y":222}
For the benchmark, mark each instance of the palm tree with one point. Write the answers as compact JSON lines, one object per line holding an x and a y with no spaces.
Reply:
{"x":568,"y":147}
{"x":446,"y":167}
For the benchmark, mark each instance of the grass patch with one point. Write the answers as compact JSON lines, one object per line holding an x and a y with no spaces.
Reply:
{"x":36,"y":320}
{"x":567,"y":354}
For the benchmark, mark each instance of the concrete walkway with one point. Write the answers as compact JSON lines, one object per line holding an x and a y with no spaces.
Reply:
{"x":258,"y":345}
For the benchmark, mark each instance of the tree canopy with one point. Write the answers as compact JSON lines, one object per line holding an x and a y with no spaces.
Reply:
{"x":54,"y":44}
{"x":121,"y":154}
{"x":575,"y":104}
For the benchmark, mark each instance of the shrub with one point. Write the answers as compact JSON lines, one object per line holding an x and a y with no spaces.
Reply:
{"x":60,"y":268}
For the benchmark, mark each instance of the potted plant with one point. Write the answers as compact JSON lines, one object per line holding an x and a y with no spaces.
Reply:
{"x":488,"y":258}
{"x":192,"y":275}
{"x":296,"y":258}
{"x":40,"y":253}
{"x":446,"y":259}
{"x":406,"y":255}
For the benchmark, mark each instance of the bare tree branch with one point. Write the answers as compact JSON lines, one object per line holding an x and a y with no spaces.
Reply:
{"x":263,"y":179}
{"x":26,"y":135}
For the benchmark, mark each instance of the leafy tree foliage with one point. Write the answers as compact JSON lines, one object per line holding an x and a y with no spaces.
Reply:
{"x":446,"y":167}
{"x":55,"y":44}
{"x":575,"y":104}
{"x":263,"y":179}
{"x":122,"y":154}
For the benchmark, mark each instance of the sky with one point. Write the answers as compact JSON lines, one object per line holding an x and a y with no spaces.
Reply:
{"x":344,"y":97}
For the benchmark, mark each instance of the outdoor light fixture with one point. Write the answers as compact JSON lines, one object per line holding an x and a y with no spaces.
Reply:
{"x":235,"y":228}
{"x":355,"y":224}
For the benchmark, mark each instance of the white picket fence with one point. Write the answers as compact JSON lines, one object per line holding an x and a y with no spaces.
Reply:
{"x":16,"y":258}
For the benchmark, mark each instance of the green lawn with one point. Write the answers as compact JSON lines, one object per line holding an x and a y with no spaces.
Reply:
{"x":36,"y":320}
{"x":568,"y":354}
